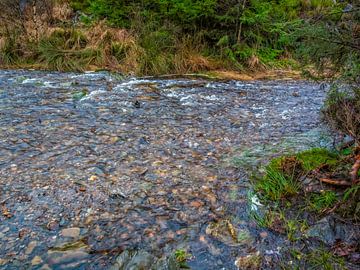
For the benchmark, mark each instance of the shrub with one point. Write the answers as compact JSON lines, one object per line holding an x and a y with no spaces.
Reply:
{"x":342,"y":111}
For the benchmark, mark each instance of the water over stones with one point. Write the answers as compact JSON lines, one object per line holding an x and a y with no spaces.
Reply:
{"x":149,"y":177}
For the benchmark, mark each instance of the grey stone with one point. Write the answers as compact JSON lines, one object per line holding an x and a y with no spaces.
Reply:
{"x":328,"y":230}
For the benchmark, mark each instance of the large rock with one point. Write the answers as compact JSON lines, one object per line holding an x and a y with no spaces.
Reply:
{"x":328,"y":230}
{"x":142,"y":260}
{"x":249,"y":262}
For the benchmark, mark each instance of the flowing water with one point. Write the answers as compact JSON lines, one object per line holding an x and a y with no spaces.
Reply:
{"x":91,"y":165}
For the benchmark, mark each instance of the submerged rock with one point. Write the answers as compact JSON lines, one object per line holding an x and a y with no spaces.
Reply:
{"x":70,"y":232}
{"x":142,"y":260}
{"x":225,"y":232}
{"x":249,"y":262}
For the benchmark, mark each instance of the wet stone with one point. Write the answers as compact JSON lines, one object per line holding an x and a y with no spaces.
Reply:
{"x":30,"y":247}
{"x":328,"y":230}
{"x":70,"y":259}
{"x":70,"y":232}
{"x":140,"y":259}
{"x":36,"y":261}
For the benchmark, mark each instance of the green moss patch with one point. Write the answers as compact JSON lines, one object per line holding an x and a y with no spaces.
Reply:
{"x":313,"y":158}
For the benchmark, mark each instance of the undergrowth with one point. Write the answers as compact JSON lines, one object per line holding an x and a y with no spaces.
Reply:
{"x":284,"y":189}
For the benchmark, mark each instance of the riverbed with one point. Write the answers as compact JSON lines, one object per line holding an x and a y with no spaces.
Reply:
{"x":93,"y":164}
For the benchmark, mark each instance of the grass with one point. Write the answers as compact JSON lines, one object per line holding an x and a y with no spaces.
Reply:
{"x":282,"y":180}
{"x":9,"y":51}
{"x":67,"y":50}
{"x":323,"y":259}
{"x":181,"y":257}
{"x":282,"y":174}
{"x":322,"y":201}
{"x":147,"y":50}
{"x":317,"y":259}
{"x":275,"y":185}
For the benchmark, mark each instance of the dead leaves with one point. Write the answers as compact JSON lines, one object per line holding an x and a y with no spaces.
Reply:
{"x":5,"y":212}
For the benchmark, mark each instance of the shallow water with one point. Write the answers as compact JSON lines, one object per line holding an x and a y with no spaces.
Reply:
{"x":151,"y":174}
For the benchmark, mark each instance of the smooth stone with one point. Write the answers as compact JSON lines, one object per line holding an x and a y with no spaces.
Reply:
{"x":74,"y":257}
{"x":36,"y":260}
{"x":30,"y":247}
{"x":45,"y":267}
{"x":134,"y":260}
{"x":70,"y":232}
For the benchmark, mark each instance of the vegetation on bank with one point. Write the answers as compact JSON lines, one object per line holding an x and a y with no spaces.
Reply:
{"x":298,"y":193}
{"x":162,"y":36}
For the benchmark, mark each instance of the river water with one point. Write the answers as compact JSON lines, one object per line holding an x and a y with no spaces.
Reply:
{"x":92,"y":164}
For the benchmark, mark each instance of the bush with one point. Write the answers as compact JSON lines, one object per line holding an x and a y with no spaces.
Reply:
{"x":342,"y":111}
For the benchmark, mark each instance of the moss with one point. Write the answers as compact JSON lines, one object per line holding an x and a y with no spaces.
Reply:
{"x":77,"y":95}
{"x":313,"y":158}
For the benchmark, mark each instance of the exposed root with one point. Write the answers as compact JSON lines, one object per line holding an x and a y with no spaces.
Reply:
{"x":355,"y":170}
{"x":335,"y":182}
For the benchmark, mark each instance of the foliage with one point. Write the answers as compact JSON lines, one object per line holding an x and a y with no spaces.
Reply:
{"x":249,"y":33}
{"x":331,"y":40}
{"x":192,"y":35}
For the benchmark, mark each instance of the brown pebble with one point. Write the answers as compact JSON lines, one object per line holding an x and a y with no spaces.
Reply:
{"x":196,"y":204}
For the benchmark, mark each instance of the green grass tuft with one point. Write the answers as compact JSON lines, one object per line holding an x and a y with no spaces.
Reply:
{"x":275,"y":185}
{"x":322,"y":201}
{"x":181,"y":257}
